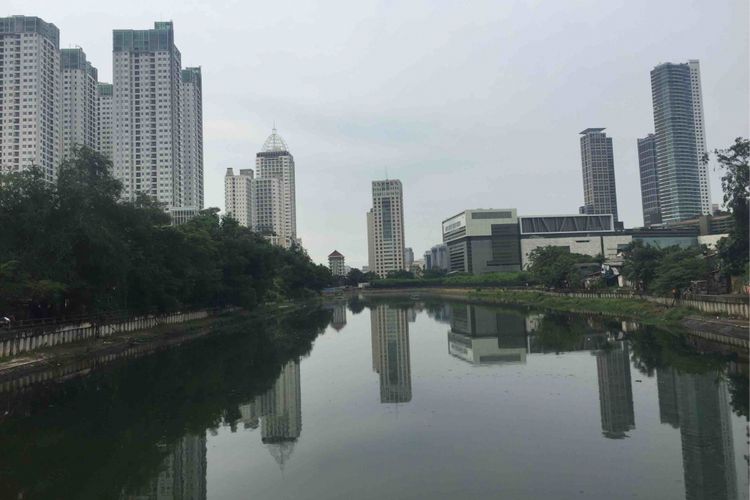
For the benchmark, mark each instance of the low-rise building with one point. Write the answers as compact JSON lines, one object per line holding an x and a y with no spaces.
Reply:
{"x":336,"y":263}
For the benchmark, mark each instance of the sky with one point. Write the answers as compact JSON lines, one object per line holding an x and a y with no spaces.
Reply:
{"x":470,"y":104}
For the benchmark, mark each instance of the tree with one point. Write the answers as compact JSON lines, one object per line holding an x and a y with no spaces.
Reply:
{"x":641,"y":264}
{"x":400,"y":274}
{"x":677,"y":267}
{"x":735,"y":183}
{"x":557,"y":267}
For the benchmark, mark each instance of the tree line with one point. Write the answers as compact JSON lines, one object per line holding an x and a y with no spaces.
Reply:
{"x":73,"y":247}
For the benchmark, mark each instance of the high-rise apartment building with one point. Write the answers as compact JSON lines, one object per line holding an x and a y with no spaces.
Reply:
{"x":105,"y":111}
{"x":80,"y":117}
{"x":597,"y":160}
{"x":678,"y":124}
{"x":276,"y":162}
{"x":191,"y":128}
{"x":150,"y":134}
{"x":268,"y":217}
{"x":647,"y":166}
{"x":238,"y":196}
{"x":336,"y":263}
{"x":700,"y":135}
{"x":30,"y":95}
{"x":385,"y":227}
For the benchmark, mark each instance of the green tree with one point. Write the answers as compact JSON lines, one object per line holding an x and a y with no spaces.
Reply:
{"x":735,"y":182}
{"x":641,"y":264}
{"x":557,"y":267}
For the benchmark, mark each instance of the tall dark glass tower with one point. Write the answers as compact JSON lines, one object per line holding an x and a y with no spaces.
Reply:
{"x":676,"y":145}
{"x":649,"y":180}
{"x":598,"y":163}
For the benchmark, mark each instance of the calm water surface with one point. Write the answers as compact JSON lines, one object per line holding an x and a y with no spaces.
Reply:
{"x":393,"y":399}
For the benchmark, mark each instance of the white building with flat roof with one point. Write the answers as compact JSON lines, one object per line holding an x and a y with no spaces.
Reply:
{"x":30,"y":95}
{"x":80,"y":117}
{"x":385,"y":227}
{"x":105,"y":117}
{"x":238,"y":199}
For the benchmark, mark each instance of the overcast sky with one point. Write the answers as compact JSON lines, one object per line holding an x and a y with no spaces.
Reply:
{"x":471,"y":104}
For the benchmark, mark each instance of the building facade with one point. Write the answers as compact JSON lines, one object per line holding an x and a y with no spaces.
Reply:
{"x":700,"y":135}
{"x":191,"y":128}
{"x":148,"y":133}
{"x":385,"y":225}
{"x":336,"y":263}
{"x":649,"y":174}
{"x":276,"y":162}
{"x":482,"y":241}
{"x":268,"y":215}
{"x":598,"y":166}
{"x":80,"y":117}
{"x":30,"y":95}
{"x":677,"y":150}
{"x":105,"y":119}
{"x":238,"y":196}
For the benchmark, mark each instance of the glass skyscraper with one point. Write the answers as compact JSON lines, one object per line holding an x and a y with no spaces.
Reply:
{"x":649,"y":180}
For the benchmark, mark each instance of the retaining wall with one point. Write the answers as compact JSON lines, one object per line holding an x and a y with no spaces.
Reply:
{"x":27,"y":339}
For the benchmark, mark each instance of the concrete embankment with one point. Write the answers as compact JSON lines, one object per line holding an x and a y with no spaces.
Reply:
{"x":650,"y":310}
{"x":77,"y":357}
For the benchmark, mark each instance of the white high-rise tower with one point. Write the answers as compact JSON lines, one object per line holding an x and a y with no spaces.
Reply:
{"x":276,"y":162}
{"x":30,"y":95}
{"x":79,"y":101}
{"x":700,"y":135}
{"x":385,"y":227}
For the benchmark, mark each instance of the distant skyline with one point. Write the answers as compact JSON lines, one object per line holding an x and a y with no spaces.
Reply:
{"x":474,"y":107}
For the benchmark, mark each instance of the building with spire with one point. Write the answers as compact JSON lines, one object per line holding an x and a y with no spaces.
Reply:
{"x":276,"y":162}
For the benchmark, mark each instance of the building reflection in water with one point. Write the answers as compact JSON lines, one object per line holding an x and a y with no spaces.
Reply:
{"x":279,"y":413}
{"x":615,"y":390}
{"x":698,"y":404}
{"x":483,"y":335}
{"x":390,"y":353}
{"x":182,"y":474}
{"x":338,"y":322}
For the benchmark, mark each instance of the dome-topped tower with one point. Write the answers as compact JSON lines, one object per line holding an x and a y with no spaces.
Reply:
{"x":274,"y":143}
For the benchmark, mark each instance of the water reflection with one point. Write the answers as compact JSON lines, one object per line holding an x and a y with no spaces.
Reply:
{"x":279,"y":411}
{"x":181,"y":475}
{"x":615,"y":390}
{"x":697,"y":403}
{"x":390,"y":352}
{"x":483,"y":335}
{"x":338,"y":322}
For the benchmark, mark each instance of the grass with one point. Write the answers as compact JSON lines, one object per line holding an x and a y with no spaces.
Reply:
{"x":641,"y":310}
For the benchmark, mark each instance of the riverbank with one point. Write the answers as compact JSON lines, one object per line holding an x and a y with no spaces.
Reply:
{"x":717,"y":328}
{"x":71,"y":360}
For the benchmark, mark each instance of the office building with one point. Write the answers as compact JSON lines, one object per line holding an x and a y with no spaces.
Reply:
{"x":598,"y":163}
{"x":482,"y":241}
{"x":436,"y":258}
{"x":80,"y":120}
{"x":276,"y":162}
{"x":148,"y":127}
{"x":408,"y":257}
{"x":680,"y":141}
{"x":385,"y":228}
{"x":336,"y":263}
{"x":191,"y":129}
{"x":615,"y":391}
{"x":647,"y":167}
{"x":105,"y":118}
{"x":390,"y":353}
{"x":238,"y":199}
{"x":30,"y":95}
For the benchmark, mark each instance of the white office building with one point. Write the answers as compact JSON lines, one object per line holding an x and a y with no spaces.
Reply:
{"x":30,"y":95}
{"x":105,"y":112}
{"x":385,"y":227}
{"x":276,"y":162}
{"x":80,"y":120}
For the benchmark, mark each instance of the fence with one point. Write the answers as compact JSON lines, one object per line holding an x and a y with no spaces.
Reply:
{"x":27,"y":338}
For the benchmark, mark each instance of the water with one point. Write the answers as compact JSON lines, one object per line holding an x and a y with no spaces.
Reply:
{"x":392,"y":399}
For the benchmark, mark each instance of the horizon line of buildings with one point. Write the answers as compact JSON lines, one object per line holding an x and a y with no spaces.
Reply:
{"x":148,"y":121}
